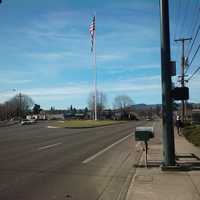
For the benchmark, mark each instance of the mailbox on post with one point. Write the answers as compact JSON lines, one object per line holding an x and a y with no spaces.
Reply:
{"x":144,"y":134}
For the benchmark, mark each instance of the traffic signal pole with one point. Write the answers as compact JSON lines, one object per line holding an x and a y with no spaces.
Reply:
{"x":167,"y":102}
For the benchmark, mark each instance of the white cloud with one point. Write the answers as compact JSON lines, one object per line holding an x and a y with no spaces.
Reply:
{"x":132,"y":88}
{"x":53,"y":55}
{"x":15,"y":77}
{"x":62,"y":36}
{"x":148,"y":66}
{"x":55,"y":26}
{"x":117,"y":70}
{"x":72,"y":89}
{"x":110,"y":57}
{"x":15,"y":81}
{"x":73,"y":56}
{"x":139,"y":84}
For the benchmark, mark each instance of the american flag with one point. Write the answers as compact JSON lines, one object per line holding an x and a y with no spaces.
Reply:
{"x":92,"y":29}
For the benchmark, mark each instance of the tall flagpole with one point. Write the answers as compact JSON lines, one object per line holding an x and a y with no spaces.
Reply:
{"x":95,"y":71}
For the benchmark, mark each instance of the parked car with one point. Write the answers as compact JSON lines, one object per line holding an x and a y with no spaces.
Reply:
{"x":27,"y":121}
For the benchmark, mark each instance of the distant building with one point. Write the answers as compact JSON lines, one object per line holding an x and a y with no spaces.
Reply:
{"x":129,"y":114}
{"x":55,"y":116}
{"x":41,"y":116}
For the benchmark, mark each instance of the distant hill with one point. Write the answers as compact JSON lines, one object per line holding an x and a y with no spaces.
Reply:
{"x":146,"y":106}
{"x":143,"y":106}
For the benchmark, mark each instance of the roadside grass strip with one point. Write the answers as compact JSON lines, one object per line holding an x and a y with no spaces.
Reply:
{"x":84,"y":123}
{"x":192,"y":134}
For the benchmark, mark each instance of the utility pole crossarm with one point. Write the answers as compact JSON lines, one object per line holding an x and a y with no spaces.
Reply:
{"x":182,"y":39}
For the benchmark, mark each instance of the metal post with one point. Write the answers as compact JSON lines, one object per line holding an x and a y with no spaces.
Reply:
{"x":20,"y":106}
{"x":167,"y":109}
{"x":146,"y":152}
{"x":95,"y":71}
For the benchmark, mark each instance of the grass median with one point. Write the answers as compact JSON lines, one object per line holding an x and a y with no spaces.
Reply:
{"x":84,"y":123}
{"x":192,"y":133}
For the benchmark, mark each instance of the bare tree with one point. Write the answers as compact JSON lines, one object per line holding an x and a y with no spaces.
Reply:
{"x":101,"y":103}
{"x":123,"y":103}
{"x":21,"y":104}
{"x":18,"y":106}
{"x":2,"y":112}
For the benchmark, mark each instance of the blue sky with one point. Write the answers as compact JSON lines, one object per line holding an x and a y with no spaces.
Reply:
{"x":45,"y":50}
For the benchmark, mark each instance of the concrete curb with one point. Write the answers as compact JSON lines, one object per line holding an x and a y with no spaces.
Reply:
{"x":7,"y":125}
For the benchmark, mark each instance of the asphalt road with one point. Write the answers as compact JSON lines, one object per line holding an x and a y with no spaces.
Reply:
{"x":37,"y":163}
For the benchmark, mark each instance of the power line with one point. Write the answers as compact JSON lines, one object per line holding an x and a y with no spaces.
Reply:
{"x":194,"y":56}
{"x":193,"y":41}
{"x":185,"y":10}
{"x":189,"y":49}
{"x":174,"y":19}
{"x":179,"y":17}
{"x":179,"y":27}
{"x":194,"y":73}
{"x":188,"y":20}
{"x":195,"y":21}
{"x":194,"y":18}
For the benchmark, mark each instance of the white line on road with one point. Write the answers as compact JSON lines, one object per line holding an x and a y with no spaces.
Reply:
{"x":104,"y":150}
{"x":49,"y":146}
{"x":52,"y":127}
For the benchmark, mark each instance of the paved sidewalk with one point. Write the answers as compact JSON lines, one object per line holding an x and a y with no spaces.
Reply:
{"x":154,"y":184}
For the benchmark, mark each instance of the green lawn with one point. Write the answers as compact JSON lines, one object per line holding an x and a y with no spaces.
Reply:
{"x":84,"y":123}
{"x":192,"y":133}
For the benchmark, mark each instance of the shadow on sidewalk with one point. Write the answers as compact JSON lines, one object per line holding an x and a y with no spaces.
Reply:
{"x":184,"y":162}
{"x":188,"y":161}
{"x":150,"y":164}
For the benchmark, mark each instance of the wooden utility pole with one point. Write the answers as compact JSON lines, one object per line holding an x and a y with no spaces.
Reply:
{"x":183,"y":65}
{"x":167,"y":101}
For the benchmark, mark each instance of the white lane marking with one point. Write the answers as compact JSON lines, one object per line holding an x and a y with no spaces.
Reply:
{"x":49,"y":146}
{"x":104,"y":150}
{"x":52,"y":127}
